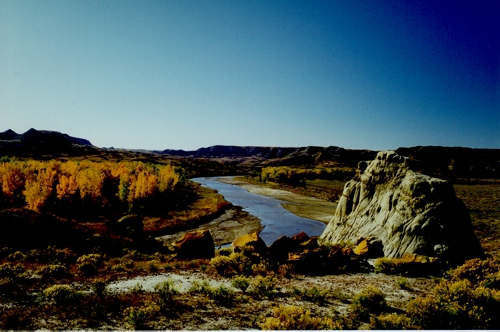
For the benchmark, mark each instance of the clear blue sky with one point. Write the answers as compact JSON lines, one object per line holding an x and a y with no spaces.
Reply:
{"x":189,"y":74}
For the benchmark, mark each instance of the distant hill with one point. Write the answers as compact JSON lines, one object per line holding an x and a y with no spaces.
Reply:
{"x":38,"y":142}
{"x":442,"y":162}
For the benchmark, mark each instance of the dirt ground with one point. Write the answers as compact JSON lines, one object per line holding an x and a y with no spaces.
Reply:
{"x":303,"y":206}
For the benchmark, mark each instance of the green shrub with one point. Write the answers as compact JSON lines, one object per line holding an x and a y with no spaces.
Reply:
{"x":166,"y":292}
{"x":89,"y":264}
{"x":59,"y":294}
{"x":240,"y":282}
{"x":200,"y":287}
{"x":297,"y":318}
{"x":220,"y":294}
{"x":369,"y":300}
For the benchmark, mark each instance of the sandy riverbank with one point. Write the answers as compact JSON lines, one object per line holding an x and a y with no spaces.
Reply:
{"x":302,"y":206}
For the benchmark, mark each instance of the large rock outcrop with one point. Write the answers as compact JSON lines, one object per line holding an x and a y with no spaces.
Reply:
{"x":406,"y":211}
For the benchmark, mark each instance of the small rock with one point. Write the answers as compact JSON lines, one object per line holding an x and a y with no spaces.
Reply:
{"x":196,"y":244}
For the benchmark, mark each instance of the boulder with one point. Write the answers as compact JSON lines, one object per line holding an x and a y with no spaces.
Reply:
{"x":195,"y":244}
{"x":405,"y":211}
{"x":278,"y":251}
{"x":300,"y":237}
{"x":252,"y":241}
{"x":369,"y":248}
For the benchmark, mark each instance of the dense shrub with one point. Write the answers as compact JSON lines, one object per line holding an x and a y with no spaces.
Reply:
{"x":166,"y":292}
{"x":297,"y":318}
{"x":475,"y":270}
{"x":457,"y":305}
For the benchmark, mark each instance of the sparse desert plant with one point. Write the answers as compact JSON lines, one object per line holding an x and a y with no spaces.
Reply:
{"x":370,"y":300}
{"x":137,"y":289}
{"x":297,"y":318}
{"x":402,"y":282}
{"x":138,"y":316}
{"x":99,"y":288}
{"x":240,"y":282}
{"x":60,"y":294}
{"x":310,"y":294}
{"x":339,"y":295}
{"x":166,"y":292}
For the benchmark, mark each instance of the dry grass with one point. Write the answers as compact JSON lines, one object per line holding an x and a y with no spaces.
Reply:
{"x":483,"y":203}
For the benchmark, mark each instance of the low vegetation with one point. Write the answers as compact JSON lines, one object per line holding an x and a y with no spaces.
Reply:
{"x":65,"y":284}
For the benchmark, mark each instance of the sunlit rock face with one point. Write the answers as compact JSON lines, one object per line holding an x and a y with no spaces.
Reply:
{"x":408,"y":212}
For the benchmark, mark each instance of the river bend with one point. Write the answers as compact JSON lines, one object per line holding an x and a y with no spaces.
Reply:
{"x":276,"y":220}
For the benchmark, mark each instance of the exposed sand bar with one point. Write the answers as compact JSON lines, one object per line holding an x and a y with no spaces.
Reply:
{"x":302,"y":206}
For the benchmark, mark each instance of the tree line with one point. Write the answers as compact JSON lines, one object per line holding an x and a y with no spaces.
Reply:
{"x":37,"y":184}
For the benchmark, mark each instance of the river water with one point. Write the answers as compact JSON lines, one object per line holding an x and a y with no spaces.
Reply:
{"x":276,"y":220}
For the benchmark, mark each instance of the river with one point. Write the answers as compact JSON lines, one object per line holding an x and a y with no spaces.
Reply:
{"x":276,"y":220}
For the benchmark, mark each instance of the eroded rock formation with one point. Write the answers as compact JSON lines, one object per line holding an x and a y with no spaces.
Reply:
{"x":406,"y":211}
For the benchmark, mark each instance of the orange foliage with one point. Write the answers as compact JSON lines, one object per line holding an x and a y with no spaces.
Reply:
{"x":38,"y":180}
